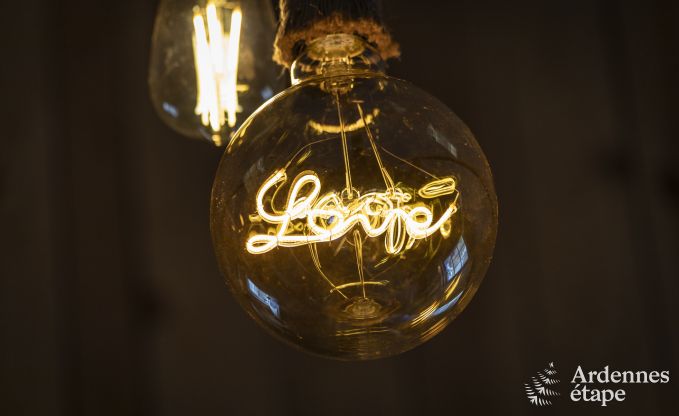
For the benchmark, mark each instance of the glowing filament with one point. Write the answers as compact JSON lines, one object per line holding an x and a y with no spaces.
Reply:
{"x":215,"y":54}
{"x":329,"y":217}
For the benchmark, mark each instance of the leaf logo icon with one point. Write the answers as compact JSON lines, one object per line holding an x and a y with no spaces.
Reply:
{"x":539,"y":390}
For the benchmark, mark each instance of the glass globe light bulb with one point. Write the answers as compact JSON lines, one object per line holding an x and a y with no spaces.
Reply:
{"x":210,"y":64}
{"x":353,"y":215}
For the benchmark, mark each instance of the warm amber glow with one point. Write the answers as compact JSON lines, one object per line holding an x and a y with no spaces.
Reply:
{"x":329,"y":217}
{"x":215,"y":53}
{"x":401,"y":214}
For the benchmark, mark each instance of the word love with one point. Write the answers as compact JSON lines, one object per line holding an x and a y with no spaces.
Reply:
{"x":332,"y":215}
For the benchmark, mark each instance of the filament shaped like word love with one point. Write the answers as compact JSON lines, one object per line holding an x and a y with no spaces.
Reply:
{"x":330,"y":217}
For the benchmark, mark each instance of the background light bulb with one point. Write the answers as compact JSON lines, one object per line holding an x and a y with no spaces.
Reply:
{"x":353,"y":215}
{"x":211,"y":64}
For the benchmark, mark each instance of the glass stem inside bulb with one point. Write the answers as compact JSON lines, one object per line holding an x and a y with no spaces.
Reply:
{"x":358,"y":247}
{"x":337,"y":54}
{"x":345,"y":150}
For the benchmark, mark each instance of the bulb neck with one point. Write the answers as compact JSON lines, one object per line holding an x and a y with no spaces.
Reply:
{"x":335,"y":55}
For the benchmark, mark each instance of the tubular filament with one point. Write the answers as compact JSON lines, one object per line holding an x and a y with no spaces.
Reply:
{"x":329,"y":217}
{"x":216,"y":60}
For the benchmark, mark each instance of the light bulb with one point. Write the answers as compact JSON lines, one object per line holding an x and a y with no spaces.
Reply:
{"x":211,"y":64}
{"x":353,"y":215}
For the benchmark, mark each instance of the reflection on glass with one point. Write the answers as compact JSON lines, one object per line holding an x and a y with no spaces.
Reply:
{"x":456,"y":260}
{"x":264,"y":298}
{"x":448,"y":304}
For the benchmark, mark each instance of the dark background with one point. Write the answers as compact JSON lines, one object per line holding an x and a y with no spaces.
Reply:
{"x":110,"y":298}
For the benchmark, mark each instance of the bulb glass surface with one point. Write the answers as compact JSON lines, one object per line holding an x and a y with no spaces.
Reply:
{"x":353,"y":215}
{"x":210,"y":64}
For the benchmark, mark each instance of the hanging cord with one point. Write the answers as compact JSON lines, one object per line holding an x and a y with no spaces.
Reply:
{"x":304,"y":20}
